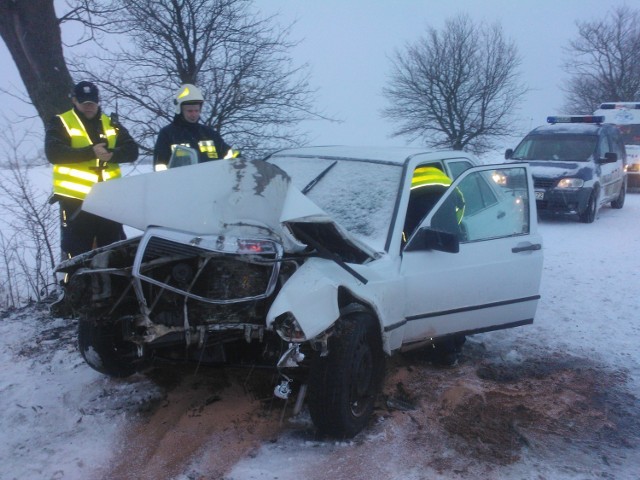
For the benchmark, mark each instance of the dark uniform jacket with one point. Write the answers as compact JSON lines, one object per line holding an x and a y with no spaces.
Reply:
{"x":203,"y":138}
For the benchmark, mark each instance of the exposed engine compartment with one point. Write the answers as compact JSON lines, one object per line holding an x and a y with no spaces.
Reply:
{"x":167,"y":289}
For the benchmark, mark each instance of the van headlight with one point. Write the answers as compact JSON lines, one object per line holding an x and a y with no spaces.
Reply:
{"x":570,"y":183}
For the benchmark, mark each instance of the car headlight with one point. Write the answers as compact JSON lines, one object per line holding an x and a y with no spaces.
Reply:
{"x":570,"y":183}
{"x":288,"y":328}
{"x":499,"y":177}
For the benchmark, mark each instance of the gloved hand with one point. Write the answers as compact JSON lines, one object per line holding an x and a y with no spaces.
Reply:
{"x":102,"y":154}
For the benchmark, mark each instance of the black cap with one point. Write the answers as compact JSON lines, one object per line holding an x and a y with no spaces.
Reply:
{"x":86,"y":92}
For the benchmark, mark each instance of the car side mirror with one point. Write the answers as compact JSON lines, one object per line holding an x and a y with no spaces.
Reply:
{"x":609,"y":157}
{"x":508,"y":154}
{"x":427,"y":238}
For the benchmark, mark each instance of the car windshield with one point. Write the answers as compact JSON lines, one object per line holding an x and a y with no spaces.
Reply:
{"x":358,"y":195}
{"x":559,"y":147}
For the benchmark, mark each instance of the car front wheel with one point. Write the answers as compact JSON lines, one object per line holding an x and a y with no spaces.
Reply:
{"x":105,"y":350}
{"x":344,"y":384}
{"x":619,"y":201}
{"x":589,"y":213}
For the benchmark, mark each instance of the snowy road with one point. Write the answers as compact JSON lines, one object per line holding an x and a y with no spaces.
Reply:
{"x":555,"y":400}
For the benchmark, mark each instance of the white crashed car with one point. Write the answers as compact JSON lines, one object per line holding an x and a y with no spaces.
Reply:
{"x":306,"y":262}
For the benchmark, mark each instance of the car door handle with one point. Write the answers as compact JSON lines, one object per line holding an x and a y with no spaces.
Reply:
{"x":527,"y":248}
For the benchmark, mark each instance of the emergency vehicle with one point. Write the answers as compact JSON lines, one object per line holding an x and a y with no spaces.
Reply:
{"x":577,"y":163}
{"x":626,"y":116}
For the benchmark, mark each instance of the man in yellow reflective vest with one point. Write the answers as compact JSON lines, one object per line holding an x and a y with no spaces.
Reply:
{"x":85,"y":146}
{"x":186,"y":130}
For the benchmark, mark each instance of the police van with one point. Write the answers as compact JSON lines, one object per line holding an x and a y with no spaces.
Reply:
{"x":577,"y":163}
{"x":626,"y":115}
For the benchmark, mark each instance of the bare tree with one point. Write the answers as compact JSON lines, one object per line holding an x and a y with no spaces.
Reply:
{"x":604,"y":62}
{"x":31,"y":31}
{"x":30,"y":228}
{"x":255,"y":96}
{"x":456,"y":88}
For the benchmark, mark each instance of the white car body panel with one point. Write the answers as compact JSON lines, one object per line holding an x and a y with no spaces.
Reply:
{"x":210,"y":198}
{"x":201,"y":198}
{"x":311,"y":295}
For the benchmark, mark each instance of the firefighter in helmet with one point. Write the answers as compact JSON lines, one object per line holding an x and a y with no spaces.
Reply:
{"x":85,"y":146}
{"x":186,"y":130}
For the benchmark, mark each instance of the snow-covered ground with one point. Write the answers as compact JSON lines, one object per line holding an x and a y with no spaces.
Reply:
{"x":61,"y":420}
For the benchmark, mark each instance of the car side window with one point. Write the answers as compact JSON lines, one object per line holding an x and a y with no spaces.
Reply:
{"x":603,"y":146}
{"x":486,"y":204}
{"x":617,"y":145}
{"x":456,"y":167}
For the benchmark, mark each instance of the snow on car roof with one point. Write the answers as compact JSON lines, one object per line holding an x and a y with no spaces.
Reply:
{"x":578,"y":128}
{"x":396,"y":155}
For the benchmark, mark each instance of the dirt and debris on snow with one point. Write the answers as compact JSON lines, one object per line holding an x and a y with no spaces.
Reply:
{"x":495,"y":410}
{"x":478,"y":417}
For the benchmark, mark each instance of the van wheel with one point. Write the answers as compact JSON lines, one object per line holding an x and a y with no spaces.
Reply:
{"x":589,"y":213}
{"x":344,"y":384}
{"x":105,"y":350}
{"x":619,"y":202}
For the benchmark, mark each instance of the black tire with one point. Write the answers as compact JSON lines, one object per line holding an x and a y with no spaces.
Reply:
{"x":619,"y":202}
{"x":589,"y":213}
{"x":343,"y":385}
{"x":105,"y":350}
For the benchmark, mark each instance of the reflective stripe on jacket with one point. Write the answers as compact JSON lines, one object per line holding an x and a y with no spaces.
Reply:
{"x":208,"y":148}
{"x":76,"y":179}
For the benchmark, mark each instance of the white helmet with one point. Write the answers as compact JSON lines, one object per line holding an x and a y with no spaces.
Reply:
{"x":188,"y":94}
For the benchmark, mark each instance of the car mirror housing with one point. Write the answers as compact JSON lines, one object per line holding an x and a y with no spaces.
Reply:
{"x":609,"y":157}
{"x":508,"y":154}
{"x":428,"y":238}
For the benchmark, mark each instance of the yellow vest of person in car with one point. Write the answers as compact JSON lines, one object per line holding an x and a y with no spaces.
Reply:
{"x":76,"y":179}
{"x":424,"y":177}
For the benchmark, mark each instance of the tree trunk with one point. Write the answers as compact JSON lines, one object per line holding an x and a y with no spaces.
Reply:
{"x":31,"y":32}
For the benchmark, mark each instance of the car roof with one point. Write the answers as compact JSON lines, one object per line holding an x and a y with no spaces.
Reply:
{"x":393,"y":155}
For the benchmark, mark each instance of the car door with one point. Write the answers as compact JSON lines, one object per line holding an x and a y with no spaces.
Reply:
{"x":493,"y":281}
{"x":610,"y":173}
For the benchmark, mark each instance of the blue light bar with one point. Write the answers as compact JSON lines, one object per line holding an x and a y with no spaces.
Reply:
{"x":576,"y":119}
{"x":614,"y":106}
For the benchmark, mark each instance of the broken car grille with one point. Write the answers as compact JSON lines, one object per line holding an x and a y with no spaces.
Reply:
{"x":211,"y":275}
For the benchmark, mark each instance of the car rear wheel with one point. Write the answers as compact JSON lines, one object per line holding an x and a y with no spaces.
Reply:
{"x":343,"y":385}
{"x":619,"y":202}
{"x":105,"y":350}
{"x":589,"y":213}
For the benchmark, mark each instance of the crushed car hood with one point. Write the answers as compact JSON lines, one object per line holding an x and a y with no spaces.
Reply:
{"x":218,"y":197}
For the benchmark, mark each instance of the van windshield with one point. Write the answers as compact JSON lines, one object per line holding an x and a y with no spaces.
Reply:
{"x":630,"y":134}
{"x":559,"y":147}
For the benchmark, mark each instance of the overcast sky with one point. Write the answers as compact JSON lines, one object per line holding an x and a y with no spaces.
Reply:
{"x":348,"y":43}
